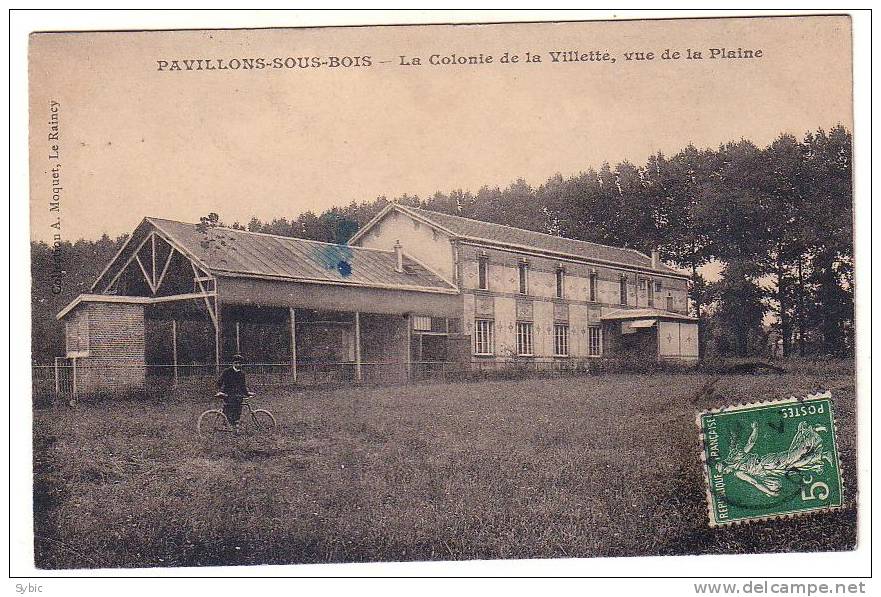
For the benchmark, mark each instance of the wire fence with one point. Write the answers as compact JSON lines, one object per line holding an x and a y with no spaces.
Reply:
{"x":68,"y":379}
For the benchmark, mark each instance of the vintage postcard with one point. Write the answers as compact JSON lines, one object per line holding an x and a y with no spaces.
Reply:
{"x":442,"y":292}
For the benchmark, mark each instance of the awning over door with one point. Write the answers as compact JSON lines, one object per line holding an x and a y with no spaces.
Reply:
{"x":643,"y":323}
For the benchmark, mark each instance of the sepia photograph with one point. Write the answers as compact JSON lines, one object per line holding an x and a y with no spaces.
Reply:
{"x":443,"y":292}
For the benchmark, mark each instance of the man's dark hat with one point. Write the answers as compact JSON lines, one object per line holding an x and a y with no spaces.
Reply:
{"x":237,"y":358}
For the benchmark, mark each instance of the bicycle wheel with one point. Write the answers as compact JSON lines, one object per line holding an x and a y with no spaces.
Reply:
{"x":263,"y":420}
{"x":212,"y":421}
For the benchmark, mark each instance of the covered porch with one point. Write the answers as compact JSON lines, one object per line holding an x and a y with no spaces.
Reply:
{"x":650,"y":334}
{"x":177,"y":303}
{"x":281,"y":345}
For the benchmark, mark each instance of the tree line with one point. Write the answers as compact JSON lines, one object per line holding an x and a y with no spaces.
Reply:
{"x":776,"y":222}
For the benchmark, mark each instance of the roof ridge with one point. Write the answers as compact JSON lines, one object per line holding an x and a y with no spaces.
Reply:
{"x":555,"y":236}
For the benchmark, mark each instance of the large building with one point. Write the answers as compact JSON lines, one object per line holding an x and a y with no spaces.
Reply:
{"x":526,"y":294}
{"x":413,"y":291}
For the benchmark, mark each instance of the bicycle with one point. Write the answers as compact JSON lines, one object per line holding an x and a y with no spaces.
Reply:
{"x":252,"y":419}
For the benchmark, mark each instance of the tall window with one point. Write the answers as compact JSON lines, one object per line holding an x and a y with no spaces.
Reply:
{"x":651,"y":291}
{"x":524,"y":338}
{"x":623,"y":287}
{"x":483,"y":336}
{"x":561,"y":340}
{"x":594,"y":341}
{"x":592,"y":288}
{"x":561,"y":279}
{"x":524,"y":277}
{"x":669,"y":302}
{"x":482,"y":271}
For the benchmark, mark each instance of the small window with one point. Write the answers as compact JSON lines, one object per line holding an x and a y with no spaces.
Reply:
{"x":594,"y":341}
{"x":482,"y":273}
{"x":657,"y":286}
{"x":592,"y":289}
{"x":623,"y":288}
{"x":561,"y":280}
{"x":669,"y":302}
{"x":483,"y":336}
{"x":524,"y":338}
{"x":524,"y":277}
{"x":561,"y":340}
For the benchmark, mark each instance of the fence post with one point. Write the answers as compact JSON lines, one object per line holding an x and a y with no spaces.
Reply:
{"x":57,"y":380}
{"x":358,"y":345}
{"x":174,"y":348}
{"x":293,"y":321}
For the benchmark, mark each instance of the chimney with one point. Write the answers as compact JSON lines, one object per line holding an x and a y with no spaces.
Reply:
{"x":656,"y":259}
{"x":399,"y":257}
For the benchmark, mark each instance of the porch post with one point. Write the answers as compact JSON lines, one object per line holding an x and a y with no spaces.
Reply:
{"x":238,"y":342}
{"x":358,"y":345}
{"x":217,"y":335}
{"x":658,"y":340}
{"x":174,"y":348}
{"x":409,"y":348}
{"x":293,"y":320}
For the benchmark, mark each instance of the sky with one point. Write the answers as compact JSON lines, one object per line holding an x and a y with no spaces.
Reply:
{"x":138,"y":141}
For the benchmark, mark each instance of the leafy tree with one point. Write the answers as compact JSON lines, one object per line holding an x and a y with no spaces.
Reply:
{"x":784,"y":194}
{"x":741,"y":309}
{"x":830,"y":261}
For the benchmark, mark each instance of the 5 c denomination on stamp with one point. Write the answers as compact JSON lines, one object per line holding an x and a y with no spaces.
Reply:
{"x":770,"y":459}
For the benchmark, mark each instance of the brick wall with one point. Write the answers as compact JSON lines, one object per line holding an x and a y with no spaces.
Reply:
{"x":115,"y":360}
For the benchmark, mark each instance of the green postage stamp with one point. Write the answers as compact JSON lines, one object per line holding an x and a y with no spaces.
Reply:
{"x":770,"y":459}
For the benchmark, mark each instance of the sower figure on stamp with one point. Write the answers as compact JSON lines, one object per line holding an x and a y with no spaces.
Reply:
{"x":234,"y":390}
{"x":805,"y":455}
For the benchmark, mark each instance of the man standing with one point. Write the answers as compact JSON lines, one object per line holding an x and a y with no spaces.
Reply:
{"x":234,"y":390}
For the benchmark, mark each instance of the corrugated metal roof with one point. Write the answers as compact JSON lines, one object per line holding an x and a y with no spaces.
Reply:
{"x":238,"y":252}
{"x":499,"y":233}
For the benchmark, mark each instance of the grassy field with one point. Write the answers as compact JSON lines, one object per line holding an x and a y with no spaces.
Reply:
{"x":587,"y":466}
